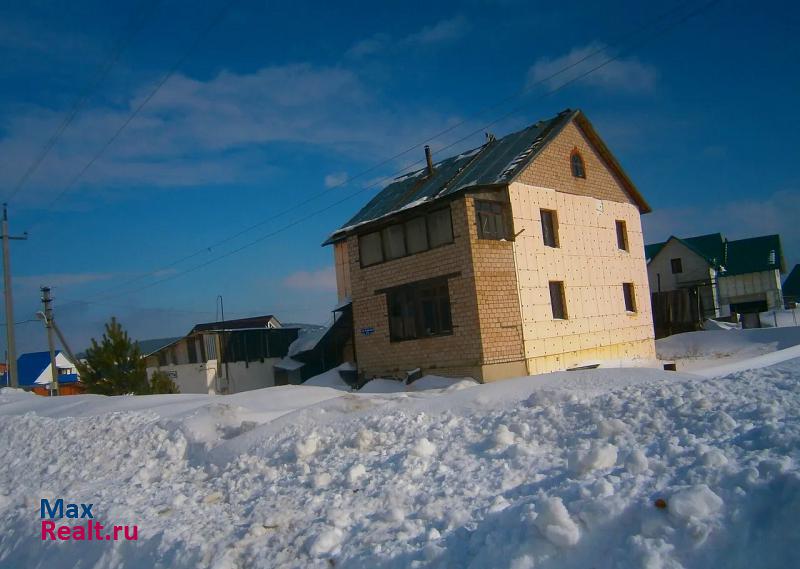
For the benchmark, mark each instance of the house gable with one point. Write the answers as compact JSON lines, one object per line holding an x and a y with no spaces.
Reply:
{"x":604,"y":178}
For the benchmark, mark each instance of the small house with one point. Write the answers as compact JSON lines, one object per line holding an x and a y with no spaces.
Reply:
{"x":35,"y":374}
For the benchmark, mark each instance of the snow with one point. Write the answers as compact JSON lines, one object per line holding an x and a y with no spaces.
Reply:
{"x":554,"y":471}
{"x":330,"y":378}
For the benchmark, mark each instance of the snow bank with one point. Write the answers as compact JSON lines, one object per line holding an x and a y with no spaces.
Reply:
{"x":554,"y":471}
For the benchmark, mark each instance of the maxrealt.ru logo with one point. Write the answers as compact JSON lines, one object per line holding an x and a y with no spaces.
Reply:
{"x":88,"y":530}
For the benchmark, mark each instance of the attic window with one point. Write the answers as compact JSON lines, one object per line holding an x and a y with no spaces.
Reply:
{"x":576,"y":162}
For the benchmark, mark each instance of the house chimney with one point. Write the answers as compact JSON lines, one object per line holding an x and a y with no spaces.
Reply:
{"x":429,"y":160}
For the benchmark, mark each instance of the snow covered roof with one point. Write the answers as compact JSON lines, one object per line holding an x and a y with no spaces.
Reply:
{"x":288,"y":364}
{"x":495,"y":163}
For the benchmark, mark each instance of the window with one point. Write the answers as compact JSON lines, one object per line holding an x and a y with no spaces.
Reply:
{"x":394,"y":244}
{"x":191,"y":348}
{"x":440,"y":228}
{"x":416,"y":235}
{"x":630,"y":297}
{"x":401,"y":239}
{"x":549,"y":227}
{"x":419,"y":310}
{"x":490,"y":217}
{"x":370,"y":246}
{"x":576,"y":162}
{"x":622,"y":235}
{"x":162,"y":358}
{"x":677,"y":266}
{"x":557,"y":300}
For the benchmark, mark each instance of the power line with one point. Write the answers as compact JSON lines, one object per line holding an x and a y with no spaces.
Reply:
{"x":215,"y":20}
{"x":135,"y":25}
{"x":527,"y":89}
{"x":462,"y":139}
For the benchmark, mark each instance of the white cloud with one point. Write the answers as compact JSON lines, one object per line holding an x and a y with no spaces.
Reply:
{"x":335,"y":179}
{"x":322,"y":279}
{"x":211,"y":132}
{"x":736,"y":219}
{"x":441,"y":32}
{"x":624,"y":74}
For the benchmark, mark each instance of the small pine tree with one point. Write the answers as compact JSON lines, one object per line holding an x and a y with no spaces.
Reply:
{"x":114,"y":366}
{"x":160,"y":382}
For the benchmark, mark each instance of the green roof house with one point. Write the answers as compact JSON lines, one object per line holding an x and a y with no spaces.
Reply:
{"x":742,"y":275}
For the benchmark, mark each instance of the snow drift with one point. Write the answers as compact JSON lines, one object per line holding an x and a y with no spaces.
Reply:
{"x":562,"y":470}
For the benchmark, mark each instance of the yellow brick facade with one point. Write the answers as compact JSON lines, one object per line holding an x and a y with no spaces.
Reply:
{"x":503,"y":324}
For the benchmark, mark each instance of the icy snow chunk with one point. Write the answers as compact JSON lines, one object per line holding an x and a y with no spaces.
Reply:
{"x":321,"y":480}
{"x":597,"y":457}
{"x":355,"y":473}
{"x":306,"y":447}
{"x":555,"y":524}
{"x":423,"y":448}
{"x":503,"y":437}
{"x":637,"y":462}
{"x":364,"y":439}
{"x":611,"y":427}
{"x":697,"y":502}
{"x":713,"y":458}
{"x":326,"y":542}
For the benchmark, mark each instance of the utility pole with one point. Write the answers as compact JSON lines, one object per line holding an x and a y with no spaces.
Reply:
{"x":10,"y":339}
{"x":48,"y":323}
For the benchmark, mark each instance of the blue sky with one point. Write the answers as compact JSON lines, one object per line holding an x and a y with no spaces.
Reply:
{"x":279,"y":104}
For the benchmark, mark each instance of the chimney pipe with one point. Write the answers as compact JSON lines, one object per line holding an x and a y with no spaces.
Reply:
{"x":429,"y":160}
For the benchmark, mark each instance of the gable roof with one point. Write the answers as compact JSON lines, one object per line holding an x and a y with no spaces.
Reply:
{"x":149,"y":347}
{"x":253,"y":322}
{"x":740,"y":256}
{"x":710,"y":247}
{"x":31,"y":365}
{"x":496,"y":163}
{"x":791,"y":286}
{"x":753,"y":255}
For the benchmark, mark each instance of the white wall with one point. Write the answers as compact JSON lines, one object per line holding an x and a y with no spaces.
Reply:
{"x":764,"y":285}
{"x":255,"y":375}
{"x":191,"y":378}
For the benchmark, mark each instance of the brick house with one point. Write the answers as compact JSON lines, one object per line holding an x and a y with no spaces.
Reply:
{"x":522,"y":256}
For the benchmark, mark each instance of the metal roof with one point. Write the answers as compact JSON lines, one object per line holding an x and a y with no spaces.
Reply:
{"x":791,"y":286}
{"x":149,"y":347}
{"x":494,"y":163}
{"x":30,"y":366}
{"x":740,"y":256}
{"x":252,"y":323}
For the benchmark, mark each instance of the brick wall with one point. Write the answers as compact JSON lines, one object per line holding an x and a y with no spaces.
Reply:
{"x":456,"y":354}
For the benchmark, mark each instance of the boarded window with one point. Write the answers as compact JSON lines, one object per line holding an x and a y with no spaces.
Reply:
{"x":419,"y":310}
{"x":576,"y":161}
{"x":162,"y":358}
{"x":394,"y":243}
{"x":416,"y":235}
{"x":549,"y":227}
{"x":557,"y":300}
{"x":677,"y":266}
{"x":622,"y":235}
{"x":491,"y":220}
{"x":630,"y":297}
{"x":370,"y":247}
{"x":440,"y":228}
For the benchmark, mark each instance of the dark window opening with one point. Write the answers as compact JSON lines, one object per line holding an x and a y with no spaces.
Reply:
{"x":370,"y":247}
{"x":191,"y":348}
{"x":622,"y":235}
{"x":677,"y":266}
{"x":491,"y":219}
{"x":630,"y":297}
{"x":162,"y":358}
{"x":576,"y":161}
{"x":394,"y":243}
{"x":557,"y":300}
{"x":549,"y":227}
{"x":440,"y":227}
{"x":419,"y":310}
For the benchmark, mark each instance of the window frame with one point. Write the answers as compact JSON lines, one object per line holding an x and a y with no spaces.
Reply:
{"x":553,"y":216}
{"x":622,"y":235}
{"x":408,"y":302}
{"x":575,"y":154}
{"x":629,"y":297}
{"x":679,"y":265}
{"x":487,"y":208}
{"x":563,"y":300}
{"x":403,"y":226}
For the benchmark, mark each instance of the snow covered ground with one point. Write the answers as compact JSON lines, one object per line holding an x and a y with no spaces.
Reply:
{"x":562,"y":470}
